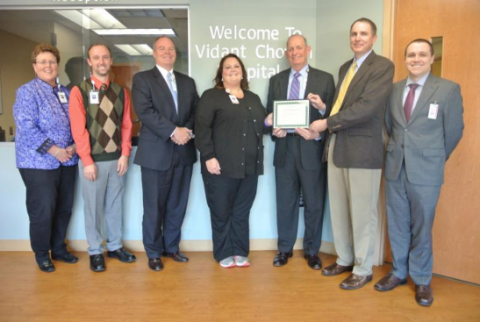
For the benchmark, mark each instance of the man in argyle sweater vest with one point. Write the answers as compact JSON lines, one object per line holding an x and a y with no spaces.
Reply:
{"x":102,"y":130}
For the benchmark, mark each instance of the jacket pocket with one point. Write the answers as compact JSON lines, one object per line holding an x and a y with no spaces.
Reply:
{"x":360,"y":132}
{"x":434,"y":153}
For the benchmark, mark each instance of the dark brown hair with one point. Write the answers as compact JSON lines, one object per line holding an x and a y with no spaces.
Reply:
{"x":218,"y":80}
{"x":420,"y":40}
{"x":370,"y":22}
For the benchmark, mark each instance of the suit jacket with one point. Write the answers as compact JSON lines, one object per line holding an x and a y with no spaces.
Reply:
{"x":318,"y":82}
{"x":155,"y":107}
{"x":423,"y":144}
{"x":359,"y":123}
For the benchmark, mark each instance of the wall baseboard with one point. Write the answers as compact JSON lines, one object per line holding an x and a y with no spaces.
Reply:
{"x":185,"y":245}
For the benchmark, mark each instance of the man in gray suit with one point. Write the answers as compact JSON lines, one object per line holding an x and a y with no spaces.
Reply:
{"x":424,"y":120}
{"x":355,"y":154}
{"x":298,"y":154}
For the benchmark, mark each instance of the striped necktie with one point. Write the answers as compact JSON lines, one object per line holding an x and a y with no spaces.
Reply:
{"x":295,"y":87}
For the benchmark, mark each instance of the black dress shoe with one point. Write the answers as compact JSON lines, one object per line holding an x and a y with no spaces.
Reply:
{"x":122,"y":255}
{"x":336,"y":269}
{"x":155,"y":264}
{"x":177,"y":256}
{"x":389,"y":282}
{"x":354,"y":282}
{"x":281,"y":259}
{"x":97,"y":263}
{"x":46,"y":266}
{"x":314,"y":262}
{"x":423,"y":295}
{"x":67,"y":258}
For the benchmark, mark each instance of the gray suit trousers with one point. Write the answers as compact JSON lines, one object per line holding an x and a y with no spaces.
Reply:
{"x":410,"y":213}
{"x":103,"y":198}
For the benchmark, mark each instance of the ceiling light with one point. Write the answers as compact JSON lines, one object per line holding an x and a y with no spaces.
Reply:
{"x":91,"y":18}
{"x":129,"y":50}
{"x":144,"y":49}
{"x":123,"y":32}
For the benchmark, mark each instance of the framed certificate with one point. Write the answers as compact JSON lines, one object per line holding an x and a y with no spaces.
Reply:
{"x":291,"y":114}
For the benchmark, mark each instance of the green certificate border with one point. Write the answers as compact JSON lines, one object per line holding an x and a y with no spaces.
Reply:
{"x":277,"y":108}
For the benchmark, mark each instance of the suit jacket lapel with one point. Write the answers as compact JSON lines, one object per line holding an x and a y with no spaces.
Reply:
{"x":428,"y":89}
{"x":341,"y":77}
{"x":361,"y":71}
{"x":164,"y":86}
{"x":284,"y":83}
{"x":398,"y":100}
{"x":311,"y":81}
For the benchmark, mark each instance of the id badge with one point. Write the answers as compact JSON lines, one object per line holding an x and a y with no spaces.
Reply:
{"x":94,"y":99}
{"x":234,"y":99}
{"x":433,"y":111}
{"x":62,"y":97}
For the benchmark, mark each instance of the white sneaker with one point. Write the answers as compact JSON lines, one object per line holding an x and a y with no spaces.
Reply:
{"x":242,"y":261}
{"x":227,"y":262}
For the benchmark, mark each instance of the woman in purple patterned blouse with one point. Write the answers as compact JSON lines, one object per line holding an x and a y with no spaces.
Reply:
{"x":46,"y":157}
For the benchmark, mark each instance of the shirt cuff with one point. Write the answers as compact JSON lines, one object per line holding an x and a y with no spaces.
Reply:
{"x":46,"y":145}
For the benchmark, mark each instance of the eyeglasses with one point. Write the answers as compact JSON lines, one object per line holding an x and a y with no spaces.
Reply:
{"x":45,"y":62}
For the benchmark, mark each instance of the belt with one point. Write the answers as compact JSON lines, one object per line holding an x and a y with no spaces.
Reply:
{"x":294,"y":134}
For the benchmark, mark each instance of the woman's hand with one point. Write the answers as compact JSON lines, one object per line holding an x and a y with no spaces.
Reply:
{"x":213,"y":166}
{"x":60,"y":154}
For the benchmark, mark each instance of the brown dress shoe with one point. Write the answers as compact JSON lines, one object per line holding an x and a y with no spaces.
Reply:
{"x":389,"y":282}
{"x":336,"y":269}
{"x":354,"y":282}
{"x":423,"y":295}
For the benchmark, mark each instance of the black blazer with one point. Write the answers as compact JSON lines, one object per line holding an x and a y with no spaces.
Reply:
{"x":318,"y":82}
{"x":155,"y":107}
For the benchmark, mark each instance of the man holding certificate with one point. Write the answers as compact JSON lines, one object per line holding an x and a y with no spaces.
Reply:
{"x":298,"y":96}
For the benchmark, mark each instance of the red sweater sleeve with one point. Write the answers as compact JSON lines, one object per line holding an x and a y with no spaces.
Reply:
{"x":127,"y":125}
{"x":78,"y":123}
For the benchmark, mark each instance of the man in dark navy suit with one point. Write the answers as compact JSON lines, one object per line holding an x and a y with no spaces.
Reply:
{"x":165,"y":102}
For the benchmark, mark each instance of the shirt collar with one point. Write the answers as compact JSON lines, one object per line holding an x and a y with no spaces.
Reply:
{"x":303,"y":72}
{"x":420,"y":82}
{"x":45,"y":84}
{"x":362,"y":59}
{"x":98,"y":83}
{"x":163,"y":71}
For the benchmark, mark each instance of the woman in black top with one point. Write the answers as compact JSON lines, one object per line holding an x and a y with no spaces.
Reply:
{"x":229,"y":128}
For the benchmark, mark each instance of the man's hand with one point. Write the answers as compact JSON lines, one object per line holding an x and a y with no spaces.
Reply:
{"x":213,"y":166}
{"x":181,"y":135}
{"x":122,"y":165}
{"x":90,"y":172}
{"x":269,"y":120}
{"x":316,"y":102}
{"x":279,"y":133}
{"x":307,"y":134}
{"x":319,"y":126}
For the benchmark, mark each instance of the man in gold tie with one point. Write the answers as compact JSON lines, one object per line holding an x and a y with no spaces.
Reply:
{"x":355,"y":154}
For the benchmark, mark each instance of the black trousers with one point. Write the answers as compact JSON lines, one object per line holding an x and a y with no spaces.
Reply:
{"x":289,"y":180}
{"x":230,"y":201}
{"x":50,"y":196}
{"x":165,"y":198}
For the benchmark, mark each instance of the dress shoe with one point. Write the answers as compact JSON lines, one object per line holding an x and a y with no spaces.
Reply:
{"x":423,"y":295}
{"x":389,"y":282}
{"x":281,"y":259}
{"x":46,"y":266}
{"x":122,"y":255}
{"x":67,"y":258}
{"x":155,"y":264}
{"x":177,"y":256}
{"x":314,"y":262}
{"x":97,"y":263}
{"x":336,"y":269}
{"x":354,"y":282}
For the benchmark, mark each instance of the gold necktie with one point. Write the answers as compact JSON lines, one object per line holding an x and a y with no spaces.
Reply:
{"x":343,"y":90}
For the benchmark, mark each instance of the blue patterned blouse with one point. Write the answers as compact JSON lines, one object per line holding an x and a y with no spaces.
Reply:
{"x":42,"y":121}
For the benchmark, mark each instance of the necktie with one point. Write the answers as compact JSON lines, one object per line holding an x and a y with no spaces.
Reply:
{"x":343,"y":90}
{"x":408,"y":106}
{"x":295,"y":87}
{"x":173,"y":89}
